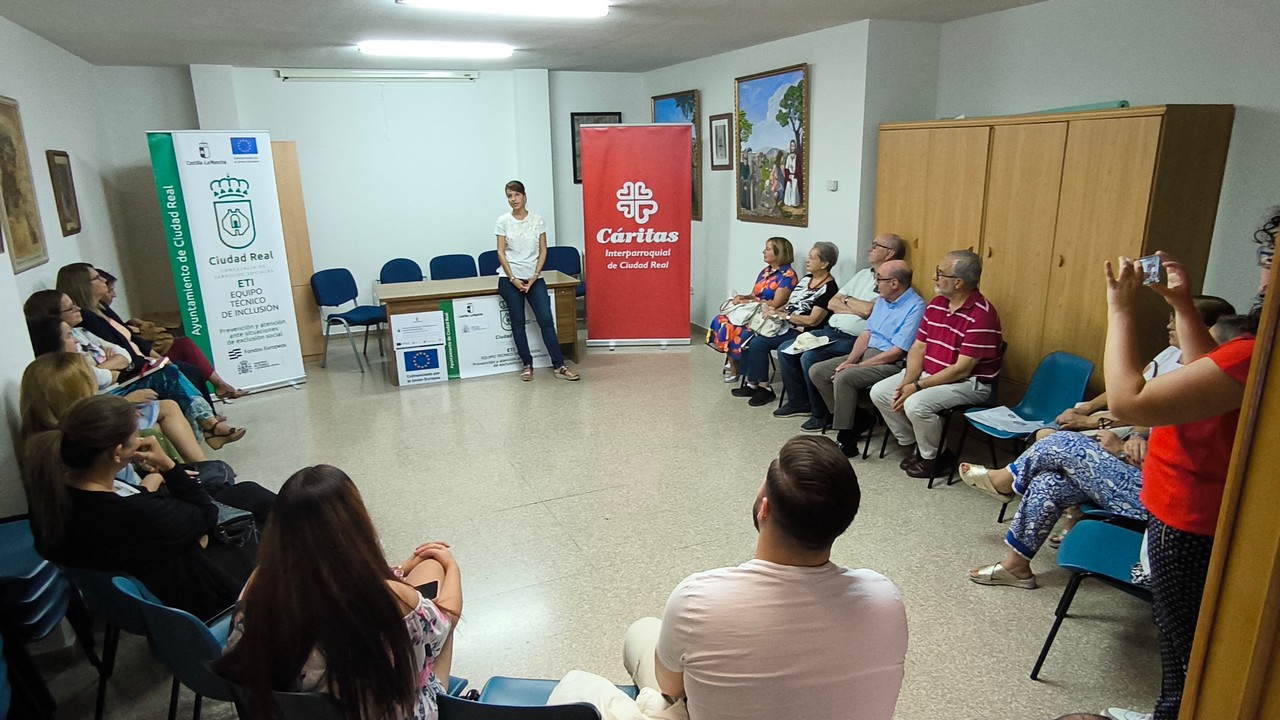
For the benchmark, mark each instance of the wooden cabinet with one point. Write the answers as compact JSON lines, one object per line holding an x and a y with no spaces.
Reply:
{"x":1045,"y":200}
{"x":297,"y":247}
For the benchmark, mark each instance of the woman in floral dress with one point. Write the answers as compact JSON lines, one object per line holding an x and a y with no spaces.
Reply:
{"x":773,"y":286}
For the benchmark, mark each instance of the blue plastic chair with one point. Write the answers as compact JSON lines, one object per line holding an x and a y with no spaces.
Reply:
{"x":313,"y":705}
{"x":450,"y":267}
{"x":527,"y":691}
{"x":185,"y":644}
{"x":1096,"y":549}
{"x":120,"y":611}
{"x":337,"y":287}
{"x":568,"y":261}
{"x":487,"y":263}
{"x":400,"y":270}
{"x":1058,"y":383}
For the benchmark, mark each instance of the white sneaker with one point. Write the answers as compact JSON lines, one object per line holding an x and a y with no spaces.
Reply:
{"x":1122,"y":714}
{"x":731,"y":378}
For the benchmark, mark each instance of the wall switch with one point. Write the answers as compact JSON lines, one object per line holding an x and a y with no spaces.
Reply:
{"x":833,"y":185}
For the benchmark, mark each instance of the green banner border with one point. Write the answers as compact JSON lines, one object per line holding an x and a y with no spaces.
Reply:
{"x":450,"y":340}
{"x":177,"y":232}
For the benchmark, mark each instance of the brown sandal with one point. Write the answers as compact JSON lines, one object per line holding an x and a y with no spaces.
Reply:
{"x":564,"y":373}
{"x":527,"y":373}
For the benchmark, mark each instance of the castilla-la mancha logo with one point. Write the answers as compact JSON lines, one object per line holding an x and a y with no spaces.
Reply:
{"x":233,"y":212}
{"x":635,"y":201}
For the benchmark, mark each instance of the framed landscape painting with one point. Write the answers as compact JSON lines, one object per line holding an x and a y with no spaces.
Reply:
{"x":21,"y":216}
{"x":772,"y":110}
{"x":682,"y":107}
{"x":577,"y":120}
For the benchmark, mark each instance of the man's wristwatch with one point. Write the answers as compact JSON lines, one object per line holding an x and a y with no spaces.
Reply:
{"x":917,"y":384}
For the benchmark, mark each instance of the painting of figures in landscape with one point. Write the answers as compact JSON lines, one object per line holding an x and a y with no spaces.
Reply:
{"x":682,"y":107}
{"x":773,"y":146}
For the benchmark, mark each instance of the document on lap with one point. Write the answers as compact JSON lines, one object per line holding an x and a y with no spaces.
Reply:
{"x":1006,"y":420}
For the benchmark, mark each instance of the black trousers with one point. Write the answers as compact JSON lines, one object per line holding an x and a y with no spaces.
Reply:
{"x":1179,"y":566}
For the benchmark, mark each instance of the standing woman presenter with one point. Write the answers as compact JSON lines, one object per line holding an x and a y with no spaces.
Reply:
{"x":522,"y":250}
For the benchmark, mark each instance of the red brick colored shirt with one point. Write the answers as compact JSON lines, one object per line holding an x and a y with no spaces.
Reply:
{"x":1186,"y":466}
{"x":973,"y":330}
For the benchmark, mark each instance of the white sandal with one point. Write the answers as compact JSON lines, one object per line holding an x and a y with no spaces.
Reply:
{"x":997,"y":575}
{"x":979,"y":477}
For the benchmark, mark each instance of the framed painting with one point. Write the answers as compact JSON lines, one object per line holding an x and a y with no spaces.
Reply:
{"x":17,"y":193}
{"x":721,"y":128}
{"x":772,"y":110}
{"x":682,"y":107}
{"x":64,"y":191}
{"x":577,"y":120}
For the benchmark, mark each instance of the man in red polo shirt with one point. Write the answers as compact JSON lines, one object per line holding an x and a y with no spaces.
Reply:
{"x":954,"y":361}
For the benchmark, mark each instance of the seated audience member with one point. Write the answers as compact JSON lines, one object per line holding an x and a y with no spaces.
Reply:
{"x":53,"y":382}
{"x":850,"y":310}
{"x":1093,"y":414}
{"x":954,"y":361}
{"x":83,"y":517}
{"x":109,"y":360}
{"x":806,"y":309}
{"x":773,"y":287}
{"x":789,"y":634}
{"x":1060,"y":471}
{"x":877,"y":354}
{"x":1230,"y":327}
{"x":181,"y":350}
{"x":324,"y":613}
{"x":1195,"y":410}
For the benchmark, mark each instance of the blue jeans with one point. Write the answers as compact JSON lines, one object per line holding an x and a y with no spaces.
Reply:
{"x":756,"y":354}
{"x":540,"y":300}
{"x":795,"y":370}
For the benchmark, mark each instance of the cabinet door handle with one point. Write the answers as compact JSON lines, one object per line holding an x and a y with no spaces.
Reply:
{"x":916,"y":243}
{"x":988,"y":253}
{"x":1061,"y":260}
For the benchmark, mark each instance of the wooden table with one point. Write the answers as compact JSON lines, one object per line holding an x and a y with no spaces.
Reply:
{"x":425,"y":295}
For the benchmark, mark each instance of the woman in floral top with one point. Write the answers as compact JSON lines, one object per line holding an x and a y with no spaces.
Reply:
{"x":773,"y":286}
{"x":324,"y":613}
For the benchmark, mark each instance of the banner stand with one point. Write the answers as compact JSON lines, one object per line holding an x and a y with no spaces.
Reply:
{"x":637,"y":199}
{"x":221,"y":215}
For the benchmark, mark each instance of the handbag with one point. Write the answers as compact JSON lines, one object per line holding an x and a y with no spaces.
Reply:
{"x":235,"y":526}
{"x":214,"y":475}
{"x":752,"y":316}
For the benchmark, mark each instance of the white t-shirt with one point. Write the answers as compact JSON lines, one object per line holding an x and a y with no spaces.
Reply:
{"x":769,"y":640}
{"x":862,"y":286}
{"x":522,"y":243}
{"x":1167,"y":361}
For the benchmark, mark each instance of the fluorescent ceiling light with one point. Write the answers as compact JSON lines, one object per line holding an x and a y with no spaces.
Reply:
{"x":523,"y":8}
{"x":372,"y":74}
{"x":435,"y":49}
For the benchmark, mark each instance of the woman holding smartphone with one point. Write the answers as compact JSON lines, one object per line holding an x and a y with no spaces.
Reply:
{"x":522,"y":251}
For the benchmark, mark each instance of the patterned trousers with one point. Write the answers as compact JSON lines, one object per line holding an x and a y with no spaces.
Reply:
{"x":1062,"y":470}
{"x":1179,"y":566}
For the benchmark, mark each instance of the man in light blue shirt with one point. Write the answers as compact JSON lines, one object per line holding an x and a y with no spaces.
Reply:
{"x":849,"y":310}
{"x":878,"y":353}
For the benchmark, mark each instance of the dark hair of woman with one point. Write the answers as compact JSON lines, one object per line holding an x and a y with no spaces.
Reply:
{"x":517,"y":186}
{"x":91,"y":427}
{"x":46,"y":334}
{"x":321,"y":584}
{"x":74,"y":280}
{"x":43,"y":303}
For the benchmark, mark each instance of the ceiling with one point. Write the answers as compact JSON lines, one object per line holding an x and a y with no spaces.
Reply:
{"x":636,"y":36}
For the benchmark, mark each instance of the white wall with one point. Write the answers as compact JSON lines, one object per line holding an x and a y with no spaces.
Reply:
{"x":131,"y":101}
{"x":404,"y":169}
{"x":726,"y":252}
{"x":60,"y":97}
{"x":573,"y":92}
{"x":1067,"y":52}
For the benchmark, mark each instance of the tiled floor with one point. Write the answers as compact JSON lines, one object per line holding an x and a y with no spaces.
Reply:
{"x":574,"y":508}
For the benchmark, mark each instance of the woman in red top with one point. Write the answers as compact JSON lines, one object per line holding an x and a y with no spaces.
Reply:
{"x":1194,"y":411}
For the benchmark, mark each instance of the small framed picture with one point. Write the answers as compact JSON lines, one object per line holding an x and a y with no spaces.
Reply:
{"x":721,"y":131}
{"x":577,"y":120}
{"x":64,"y":191}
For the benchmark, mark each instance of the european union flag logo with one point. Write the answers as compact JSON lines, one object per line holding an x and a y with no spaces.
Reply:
{"x":428,"y":359}
{"x":244,"y":146}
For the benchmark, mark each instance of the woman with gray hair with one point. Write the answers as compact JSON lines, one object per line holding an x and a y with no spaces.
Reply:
{"x":806,"y":309}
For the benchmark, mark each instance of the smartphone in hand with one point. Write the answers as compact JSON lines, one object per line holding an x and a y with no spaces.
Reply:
{"x":1152,"y":269}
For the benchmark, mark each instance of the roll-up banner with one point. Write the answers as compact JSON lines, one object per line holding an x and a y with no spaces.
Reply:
{"x":636,"y":211}
{"x":221,"y":217}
